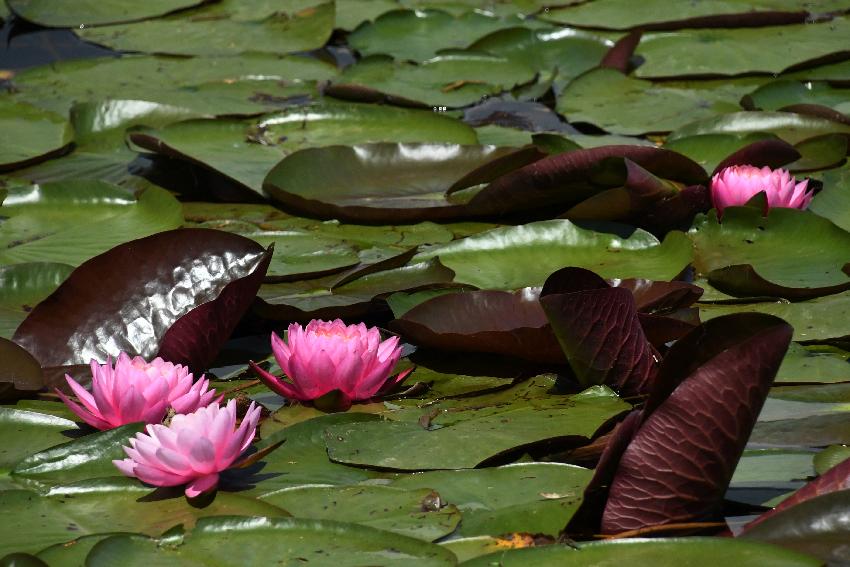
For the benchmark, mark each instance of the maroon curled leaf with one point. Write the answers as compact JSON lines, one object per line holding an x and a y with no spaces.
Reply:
{"x":677,"y":211}
{"x":598,"y":328}
{"x":836,"y":478}
{"x":619,"y":56}
{"x":706,"y":397}
{"x":20,"y":373}
{"x":178,"y":294}
{"x":772,"y":153}
{"x":483,"y":321}
{"x":562,"y":181}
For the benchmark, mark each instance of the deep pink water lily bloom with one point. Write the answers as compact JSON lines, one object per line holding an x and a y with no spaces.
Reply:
{"x":328,"y":356}
{"x":734,"y":186}
{"x":192,"y":450}
{"x":136,"y":390}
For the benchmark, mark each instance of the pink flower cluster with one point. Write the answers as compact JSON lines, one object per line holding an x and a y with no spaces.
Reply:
{"x":349,"y":363}
{"x":135,"y":390}
{"x":328,"y":357}
{"x":734,"y":186}
{"x":194,"y":449}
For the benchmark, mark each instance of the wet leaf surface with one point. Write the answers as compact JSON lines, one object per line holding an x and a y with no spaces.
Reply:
{"x":211,"y":266}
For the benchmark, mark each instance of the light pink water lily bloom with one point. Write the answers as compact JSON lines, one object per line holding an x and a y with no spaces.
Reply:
{"x":734,"y":186}
{"x":192,"y":450}
{"x":136,"y":390}
{"x":328,"y":356}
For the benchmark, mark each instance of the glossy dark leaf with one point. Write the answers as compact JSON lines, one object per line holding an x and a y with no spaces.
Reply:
{"x":599,"y":331}
{"x":640,"y":191}
{"x":677,"y":211}
{"x":178,"y":294}
{"x":819,"y":526}
{"x":742,"y":280}
{"x":564,"y":180}
{"x":20,"y":373}
{"x":498,"y":322}
{"x":709,"y":390}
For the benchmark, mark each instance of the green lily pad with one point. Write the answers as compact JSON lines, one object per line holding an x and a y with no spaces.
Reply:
{"x":23,"y":286}
{"x":772,"y":246}
{"x":322,"y":299}
{"x":779,"y":94}
{"x":72,"y":553}
{"x":822,"y":365}
{"x":84,"y":458}
{"x":830,"y":457}
{"x":299,"y":253}
{"x":813,"y":393}
{"x":521,"y":256}
{"x":709,"y":150}
{"x":622,"y":104}
{"x":204,"y":84}
{"x":179,"y":35}
{"x":421,"y":34}
{"x":556,"y":53}
{"x":107,"y":505}
{"x":245,"y":151}
{"x":815,"y":320}
{"x":792,"y":128}
{"x":302,"y":459}
{"x":38,"y":134}
{"x":697,"y":552}
{"x":523,"y":497}
{"x":55,"y":222}
{"x":377,"y":182}
{"x":769,"y":49}
{"x":833,"y":202}
{"x":231,"y":539}
{"x":419,"y":513}
{"x":619,"y":15}
{"x":93,"y":12}
{"x":814,"y":431}
{"x":820,"y":152}
{"x":445,"y":81}
{"x":351,"y":14}
{"x":27,"y":432}
{"x":763,"y":467}
{"x":467,"y":437}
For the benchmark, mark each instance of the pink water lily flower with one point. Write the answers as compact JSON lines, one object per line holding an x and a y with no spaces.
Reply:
{"x":734,"y":186}
{"x":328,"y":357}
{"x":136,"y":390}
{"x":192,"y":450}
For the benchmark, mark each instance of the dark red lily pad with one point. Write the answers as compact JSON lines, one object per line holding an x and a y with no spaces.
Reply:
{"x":709,"y":391}
{"x":561,"y":181}
{"x":178,"y":294}
{"x":772,"y":153}
{"x":660,"y":297}
{"x":511,"y":323}
{"x":599,"y":330}
{"x":20,"y":373}
{"x":619,"y":57}
{"x":742,"y":280}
